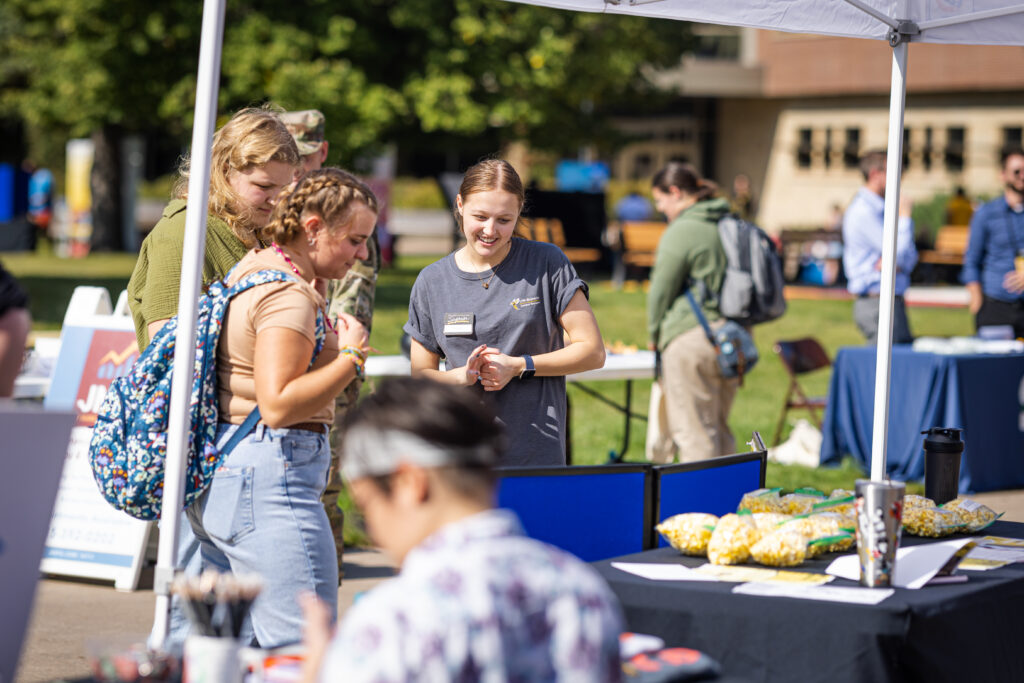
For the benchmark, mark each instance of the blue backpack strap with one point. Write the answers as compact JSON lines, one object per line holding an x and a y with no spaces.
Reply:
{"x":243,"y":431}
{"x":700,"y":318}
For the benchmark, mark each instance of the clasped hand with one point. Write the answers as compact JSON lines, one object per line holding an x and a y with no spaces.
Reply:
{"x":492,"y":368}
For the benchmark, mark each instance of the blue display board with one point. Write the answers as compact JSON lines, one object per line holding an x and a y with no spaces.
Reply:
{"x":714,"y":486}
{"x":594,"y":512}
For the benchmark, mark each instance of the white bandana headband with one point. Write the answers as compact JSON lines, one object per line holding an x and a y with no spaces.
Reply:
{"x":372,"y":453}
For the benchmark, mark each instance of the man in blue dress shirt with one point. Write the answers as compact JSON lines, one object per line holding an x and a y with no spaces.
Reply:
{"x":862,"y":252}
{"x":995,"y":285}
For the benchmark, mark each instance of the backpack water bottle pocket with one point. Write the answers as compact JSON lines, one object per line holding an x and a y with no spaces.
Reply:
{"x":227,"y":507}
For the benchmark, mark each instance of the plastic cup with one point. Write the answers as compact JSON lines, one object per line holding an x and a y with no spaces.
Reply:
{"x":212,"y":660}
{"x":879,"y":522}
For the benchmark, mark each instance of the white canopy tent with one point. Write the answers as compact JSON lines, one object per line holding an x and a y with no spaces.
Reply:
{"x":977,"y":22}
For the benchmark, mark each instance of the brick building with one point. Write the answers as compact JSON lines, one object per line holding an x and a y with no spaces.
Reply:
{"x":794,"y":111}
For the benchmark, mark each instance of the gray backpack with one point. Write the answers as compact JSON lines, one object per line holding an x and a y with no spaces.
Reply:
{"x":752,"y":290}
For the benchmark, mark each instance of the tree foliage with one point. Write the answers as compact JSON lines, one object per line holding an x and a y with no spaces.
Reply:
{"x":376,"y":68}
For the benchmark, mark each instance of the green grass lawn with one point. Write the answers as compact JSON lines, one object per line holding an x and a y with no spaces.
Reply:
{"x":596,"y":428}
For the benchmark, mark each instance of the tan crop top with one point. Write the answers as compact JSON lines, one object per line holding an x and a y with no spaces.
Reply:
{"x":292,"y":305}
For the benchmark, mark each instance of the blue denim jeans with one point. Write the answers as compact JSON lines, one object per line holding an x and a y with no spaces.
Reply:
{"x":262,"y":515}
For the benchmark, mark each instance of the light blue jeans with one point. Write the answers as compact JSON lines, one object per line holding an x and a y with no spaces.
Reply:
{"x":262,"y":515}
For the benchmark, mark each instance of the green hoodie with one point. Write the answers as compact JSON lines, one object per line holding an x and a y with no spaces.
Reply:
{"x":690,"y":250}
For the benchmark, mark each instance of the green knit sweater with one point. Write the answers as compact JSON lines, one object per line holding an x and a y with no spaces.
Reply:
{"x":153,"y":287}
{"x":689,"y":251}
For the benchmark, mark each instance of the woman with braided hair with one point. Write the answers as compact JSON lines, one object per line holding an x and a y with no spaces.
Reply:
{"x":262,"y":513}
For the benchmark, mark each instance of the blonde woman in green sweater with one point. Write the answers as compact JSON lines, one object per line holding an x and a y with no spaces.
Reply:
{"x":698,"y":399}
{"x":254,"y":157}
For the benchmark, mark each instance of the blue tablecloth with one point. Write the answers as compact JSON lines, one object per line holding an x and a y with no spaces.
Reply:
{"x":982,"y":394}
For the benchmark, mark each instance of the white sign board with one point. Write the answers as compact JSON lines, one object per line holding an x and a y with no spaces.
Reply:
{"x":87,"y":536}
{"x":32,"y":450}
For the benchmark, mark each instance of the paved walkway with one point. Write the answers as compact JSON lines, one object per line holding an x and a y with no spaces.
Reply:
{"x":68,"y":614}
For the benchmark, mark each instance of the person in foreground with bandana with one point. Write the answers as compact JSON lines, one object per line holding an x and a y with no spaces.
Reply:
{"x":475,"y":599}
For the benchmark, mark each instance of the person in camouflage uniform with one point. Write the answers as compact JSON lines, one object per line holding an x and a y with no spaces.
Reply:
{"x":354,"y":295}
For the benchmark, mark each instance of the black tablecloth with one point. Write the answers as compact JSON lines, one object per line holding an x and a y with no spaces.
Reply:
{"x":955,"y":632}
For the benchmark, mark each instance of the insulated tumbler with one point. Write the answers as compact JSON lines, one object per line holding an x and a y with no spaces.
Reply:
{"x":942,"y":451}
{"x":879,"y":521}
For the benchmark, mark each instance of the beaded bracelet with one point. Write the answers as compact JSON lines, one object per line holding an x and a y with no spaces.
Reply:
{"x":358,"y":358}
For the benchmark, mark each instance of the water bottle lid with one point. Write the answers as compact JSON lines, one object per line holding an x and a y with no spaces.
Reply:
{"x":943,"y":440}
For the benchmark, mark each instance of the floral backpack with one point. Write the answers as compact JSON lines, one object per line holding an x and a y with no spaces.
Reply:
{"x":129,"y":440}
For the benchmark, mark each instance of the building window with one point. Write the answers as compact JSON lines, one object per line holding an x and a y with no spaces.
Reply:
{"x":851,"y":148}
{"x":803,"y":149}
{"x":927,"y":149}
{"x":906,"y":148}
{"x":954,"y":148}
{"x":643,"y":166}
{"x":1012,"y":137}
{"x":828,"y":148}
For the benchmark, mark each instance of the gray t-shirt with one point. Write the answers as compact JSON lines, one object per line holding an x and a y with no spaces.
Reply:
{"x":518,"y":314}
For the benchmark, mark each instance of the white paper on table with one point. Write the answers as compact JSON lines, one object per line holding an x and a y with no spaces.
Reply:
{"x":915,"y":565}
{"x":857,"y":596}
{"x":662,"y":572}
{"x":997,"y":553}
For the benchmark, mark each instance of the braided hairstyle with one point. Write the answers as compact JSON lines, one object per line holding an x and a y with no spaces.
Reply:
{"x":329,"y":193}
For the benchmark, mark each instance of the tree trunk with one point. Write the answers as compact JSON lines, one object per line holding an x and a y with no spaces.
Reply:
{"x":106,"y":190}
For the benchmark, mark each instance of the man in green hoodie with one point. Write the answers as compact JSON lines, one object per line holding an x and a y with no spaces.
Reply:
{"x":690,"y":254}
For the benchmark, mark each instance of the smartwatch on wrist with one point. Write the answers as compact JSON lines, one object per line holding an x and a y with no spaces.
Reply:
{"x":528,"y":371}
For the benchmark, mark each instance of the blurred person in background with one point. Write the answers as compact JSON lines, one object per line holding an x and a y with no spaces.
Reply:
{"x":15,"y":324}
{"x":958,"y":208}
{"x":689,"y":255}
{"x":353,"y":294}
{"x":742,"y":202}
{"x":862,"y":252}
{"x":633,"y":207}
{"x":994,"y":262}
{"x":475,"y":599}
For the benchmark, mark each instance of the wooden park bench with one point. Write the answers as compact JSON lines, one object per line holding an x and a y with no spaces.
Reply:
{"x":639,"y":242}
{"x":550,"y":230}
{"x":942,"y":263}
{"x":950,"y":246}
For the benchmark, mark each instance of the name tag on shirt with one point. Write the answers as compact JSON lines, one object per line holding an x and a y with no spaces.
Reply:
{"x":458,"y":324}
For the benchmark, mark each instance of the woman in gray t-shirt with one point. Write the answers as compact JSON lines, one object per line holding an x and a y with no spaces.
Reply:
{"x":509,"y":315}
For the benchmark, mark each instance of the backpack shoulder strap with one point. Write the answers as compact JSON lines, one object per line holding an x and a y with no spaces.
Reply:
{"x":700,"y":317}
{"x":263,"y":277}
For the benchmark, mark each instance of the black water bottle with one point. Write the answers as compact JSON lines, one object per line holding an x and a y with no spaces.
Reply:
{"x":942,"y":450}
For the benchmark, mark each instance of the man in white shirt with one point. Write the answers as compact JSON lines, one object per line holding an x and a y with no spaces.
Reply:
{"x":862,"y":252}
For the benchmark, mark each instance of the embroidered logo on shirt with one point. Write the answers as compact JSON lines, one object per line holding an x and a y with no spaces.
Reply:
{"x":519,"y":304}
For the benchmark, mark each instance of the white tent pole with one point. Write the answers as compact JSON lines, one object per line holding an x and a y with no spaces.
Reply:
{"x":208,"y":84}
{"x":886,"y":300}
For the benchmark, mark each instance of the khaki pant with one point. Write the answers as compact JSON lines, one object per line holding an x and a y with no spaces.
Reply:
{"x":697,"y":398}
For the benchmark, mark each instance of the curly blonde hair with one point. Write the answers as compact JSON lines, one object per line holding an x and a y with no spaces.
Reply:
{"x":330,"y":193}
{"x":253,"y":137}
